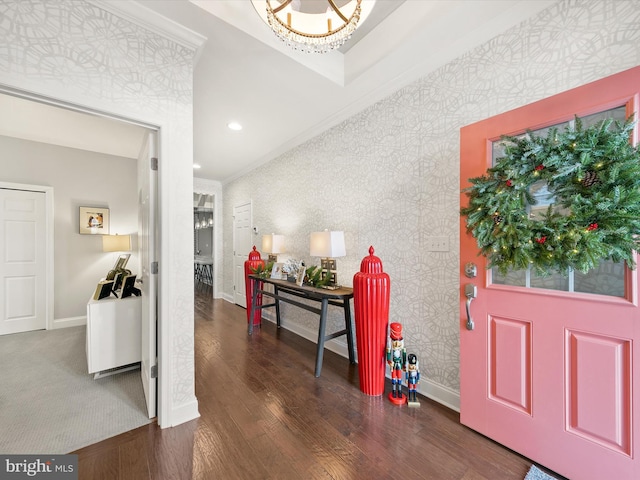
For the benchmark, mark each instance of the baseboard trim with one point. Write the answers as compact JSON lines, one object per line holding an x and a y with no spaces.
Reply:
{"x":69,"y":322}
{"x":184,"y":413}
{"x":439,"y":393}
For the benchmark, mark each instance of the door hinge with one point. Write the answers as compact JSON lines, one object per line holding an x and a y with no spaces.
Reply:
{"x":154,"y":267}
{"x":154,"y":371}
{"x":154,"y":163}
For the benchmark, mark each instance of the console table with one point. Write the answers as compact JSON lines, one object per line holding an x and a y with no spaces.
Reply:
{"x":340,"y":297}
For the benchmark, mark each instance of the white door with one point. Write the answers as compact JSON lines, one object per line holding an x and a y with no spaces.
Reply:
{"x":241,"y":248}
{"x":22,"y":261}
{"x":147,"y":182}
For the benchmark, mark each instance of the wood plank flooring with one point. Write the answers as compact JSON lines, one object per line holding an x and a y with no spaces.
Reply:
{"x":265,"y":416}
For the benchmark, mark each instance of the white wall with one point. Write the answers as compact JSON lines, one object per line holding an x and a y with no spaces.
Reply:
{"x":389,"y":176}
{"x":79,"y":52}
{"x":79,"y":178}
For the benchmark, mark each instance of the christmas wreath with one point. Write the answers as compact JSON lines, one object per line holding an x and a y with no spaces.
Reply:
{"x":590,"y":177}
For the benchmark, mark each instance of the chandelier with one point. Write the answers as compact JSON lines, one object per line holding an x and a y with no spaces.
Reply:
{"x":311,"y":30}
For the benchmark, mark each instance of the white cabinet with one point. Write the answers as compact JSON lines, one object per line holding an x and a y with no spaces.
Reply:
{"x":113,"y":333}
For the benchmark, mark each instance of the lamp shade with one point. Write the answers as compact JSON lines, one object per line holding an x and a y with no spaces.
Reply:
{"x":327,"y":244}
{"x":116,"y":243}
{"x":273,"y":243}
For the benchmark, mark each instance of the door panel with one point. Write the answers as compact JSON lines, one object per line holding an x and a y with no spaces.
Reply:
{"x":147,"y":179}
{"x":510,"y":363}
{"x":22,"y":261}
{"x":599,"y":389}
{"x":551,"y":372}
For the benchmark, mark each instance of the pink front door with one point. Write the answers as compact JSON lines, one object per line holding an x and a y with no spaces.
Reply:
{"x":551,"y":374}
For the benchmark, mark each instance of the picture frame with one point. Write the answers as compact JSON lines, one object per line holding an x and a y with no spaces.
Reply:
{"x":93,"y":221}
{"x":276,"y":271}
{"x":301,"y":274}
{"x":129,"y":287}
{"x":121,"y":261}
{"x":118,"y":267}
{"x":103,"y":290}
{"x":117,"y":281}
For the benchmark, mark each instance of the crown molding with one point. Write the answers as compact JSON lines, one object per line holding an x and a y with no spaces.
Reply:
{"x":153,"y":21}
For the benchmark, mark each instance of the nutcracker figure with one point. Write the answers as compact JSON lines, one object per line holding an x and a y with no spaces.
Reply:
{"x":413,"y":378}
{"x":396,"y":358}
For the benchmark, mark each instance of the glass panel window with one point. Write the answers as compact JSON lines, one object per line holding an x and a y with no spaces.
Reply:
{"x":608,"y":278}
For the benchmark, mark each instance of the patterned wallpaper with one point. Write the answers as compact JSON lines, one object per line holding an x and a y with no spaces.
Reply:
{"x":76,"y":52}
{"x":389,"y":176}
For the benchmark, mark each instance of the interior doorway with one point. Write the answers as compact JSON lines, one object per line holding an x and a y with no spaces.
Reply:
{"x":203,"y":239}
{"x":33,"y":110}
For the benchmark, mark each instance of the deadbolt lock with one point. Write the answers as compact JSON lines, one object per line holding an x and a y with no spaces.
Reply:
{"x":470,"y":270}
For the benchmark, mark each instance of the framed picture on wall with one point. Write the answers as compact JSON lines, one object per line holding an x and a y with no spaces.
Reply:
{"x":94,"y":221}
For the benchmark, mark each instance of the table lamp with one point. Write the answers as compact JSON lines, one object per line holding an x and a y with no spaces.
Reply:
{"x":273,"y":245}
{"x":328,"y":245}
{"x":116,"y":243}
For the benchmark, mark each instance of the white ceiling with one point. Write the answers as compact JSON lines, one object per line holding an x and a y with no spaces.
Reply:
{"x":282,"y":97}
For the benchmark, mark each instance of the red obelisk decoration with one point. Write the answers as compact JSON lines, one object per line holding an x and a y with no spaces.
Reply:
{"x":249,"y":266}
{"x":371,"y":288}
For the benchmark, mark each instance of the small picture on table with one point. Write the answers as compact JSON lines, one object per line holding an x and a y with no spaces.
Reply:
{"x":276,"y":271}
{"x":117,"y":280}
{"x":301,"y":274}
{"x":103,"y":290}
{"x":129,"y":287}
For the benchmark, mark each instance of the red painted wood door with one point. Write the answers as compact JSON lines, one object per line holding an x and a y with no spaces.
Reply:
{"x":553,"y":375}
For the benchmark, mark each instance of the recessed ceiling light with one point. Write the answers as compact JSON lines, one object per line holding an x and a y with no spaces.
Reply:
{"x":234,"y":126}
{"x":196,"y":166}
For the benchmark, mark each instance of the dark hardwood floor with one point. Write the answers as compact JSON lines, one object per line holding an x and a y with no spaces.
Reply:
{"x":265,"y":416}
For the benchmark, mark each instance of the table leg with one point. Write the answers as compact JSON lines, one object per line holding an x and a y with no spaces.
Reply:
{"x":347,"y":324}
{"x":321,"y":328}
{"x":277,"y":302}
{"x":254,"y":300}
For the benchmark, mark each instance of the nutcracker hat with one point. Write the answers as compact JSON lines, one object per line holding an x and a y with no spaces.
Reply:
{"x":396,"y":331}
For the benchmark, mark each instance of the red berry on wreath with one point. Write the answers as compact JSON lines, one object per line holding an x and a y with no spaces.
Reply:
{"x":540,"y":167}
{"x":509,"y":183}
{"x":592,"y":227}
{"x":541,"y":240}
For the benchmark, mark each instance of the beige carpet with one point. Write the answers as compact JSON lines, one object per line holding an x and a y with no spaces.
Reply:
{"x":50,"y":404}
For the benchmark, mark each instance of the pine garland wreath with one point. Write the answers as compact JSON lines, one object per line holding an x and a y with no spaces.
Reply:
{"x":593,"y":174}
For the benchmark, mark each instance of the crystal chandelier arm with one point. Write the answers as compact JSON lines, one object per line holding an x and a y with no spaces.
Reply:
{"x":285,"y":3}
{"x":337,"y":10}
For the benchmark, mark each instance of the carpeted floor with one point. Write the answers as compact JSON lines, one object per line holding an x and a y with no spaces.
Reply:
{"x":50,"y":404}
